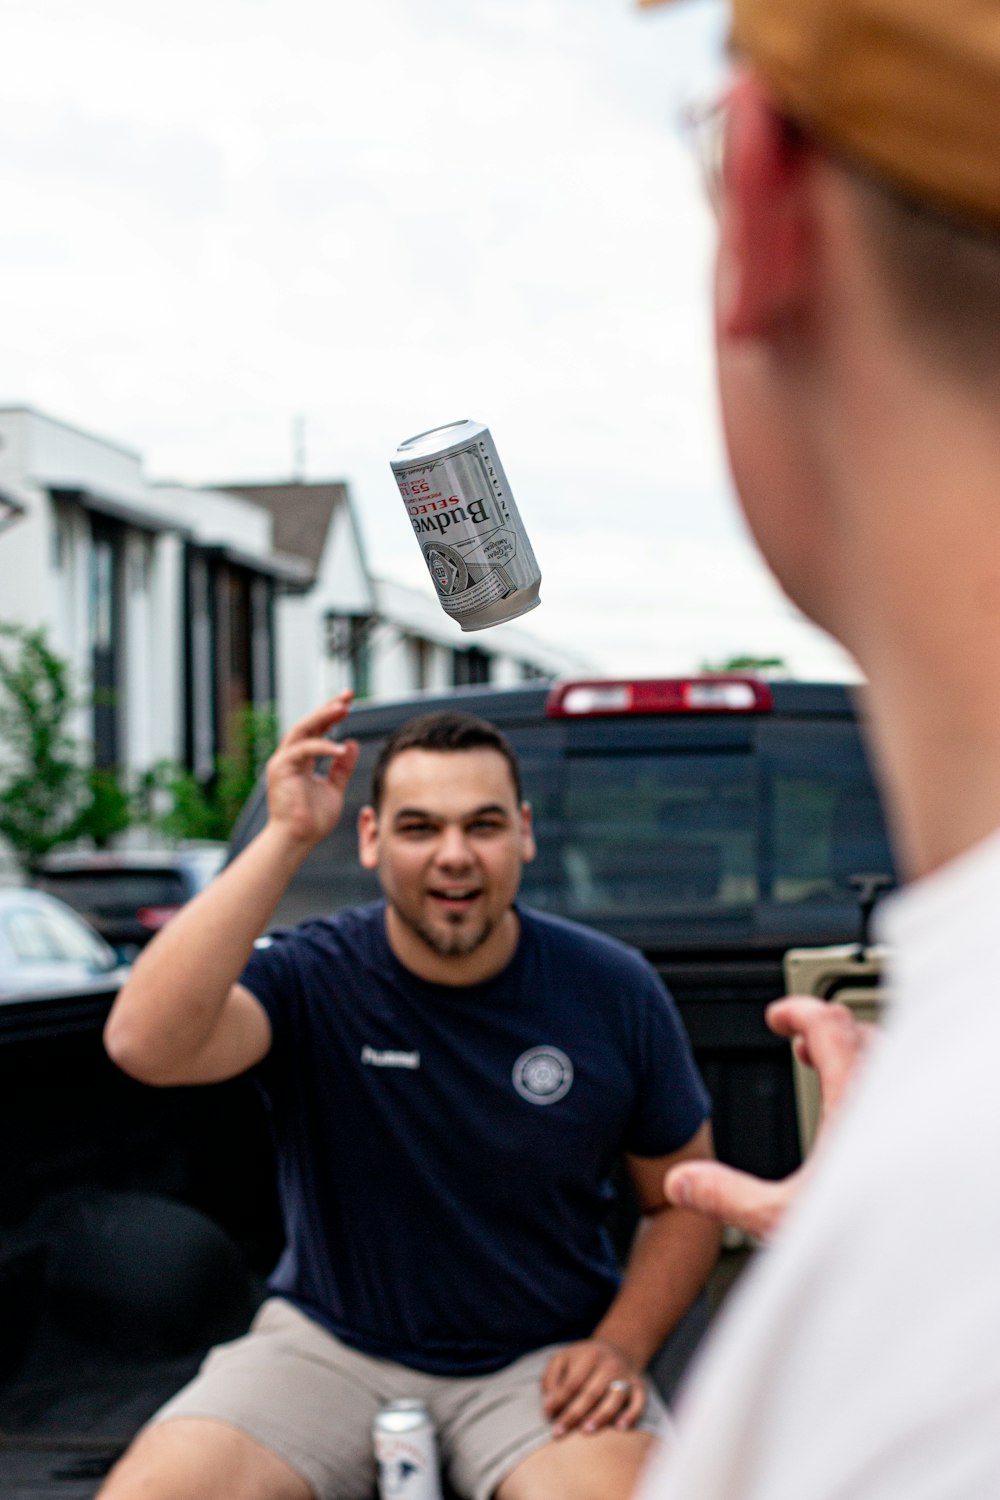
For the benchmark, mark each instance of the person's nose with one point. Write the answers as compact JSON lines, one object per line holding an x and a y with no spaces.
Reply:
{"x":453,"y":852}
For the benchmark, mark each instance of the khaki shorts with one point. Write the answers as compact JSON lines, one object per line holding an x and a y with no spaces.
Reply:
{"x":311,"y":1400}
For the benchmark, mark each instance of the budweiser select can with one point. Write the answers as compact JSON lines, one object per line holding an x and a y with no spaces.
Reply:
{"x":464,"y":517}
{"x":406,"y":1452}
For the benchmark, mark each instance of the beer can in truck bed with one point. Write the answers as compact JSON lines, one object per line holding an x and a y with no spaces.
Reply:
{"x":406,"y":1452}
{"x":464,"y":517}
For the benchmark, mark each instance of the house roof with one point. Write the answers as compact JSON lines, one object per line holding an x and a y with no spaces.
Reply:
{"x":20,"y":409}
{"x":302,"y":513}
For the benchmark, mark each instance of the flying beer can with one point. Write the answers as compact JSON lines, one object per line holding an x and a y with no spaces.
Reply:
{"x":406,"y":1452}
{"x":464,"y":517}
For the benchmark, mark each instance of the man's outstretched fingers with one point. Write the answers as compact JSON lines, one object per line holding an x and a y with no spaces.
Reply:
{"x":825,"y":1036}
{"x":753,"y":1204}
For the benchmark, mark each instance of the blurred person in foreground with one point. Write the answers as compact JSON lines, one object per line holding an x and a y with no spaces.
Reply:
{"x":857,"y":308}
{"x":452,"y":1079}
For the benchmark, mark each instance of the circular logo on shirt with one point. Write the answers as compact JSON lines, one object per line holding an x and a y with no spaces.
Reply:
{"x":542,"y":1075}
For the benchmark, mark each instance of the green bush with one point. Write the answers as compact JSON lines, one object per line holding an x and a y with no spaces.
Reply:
{"x":48,"y":796}
{"x":109,"y":807}
{"x":42,"y":784}
{"x":208,"y":810}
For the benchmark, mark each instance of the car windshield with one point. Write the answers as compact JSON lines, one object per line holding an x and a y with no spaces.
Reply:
{"x":45,"y":935}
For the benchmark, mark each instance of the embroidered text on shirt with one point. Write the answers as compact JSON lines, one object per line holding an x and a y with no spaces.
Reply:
{"x":377,"y":1057}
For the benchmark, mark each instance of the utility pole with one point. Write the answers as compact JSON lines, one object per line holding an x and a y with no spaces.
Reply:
{"x":299,"y":449}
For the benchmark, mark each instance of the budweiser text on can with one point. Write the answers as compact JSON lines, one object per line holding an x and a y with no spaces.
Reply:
{"x":463,"y":514}
{"x":406,"y":1452}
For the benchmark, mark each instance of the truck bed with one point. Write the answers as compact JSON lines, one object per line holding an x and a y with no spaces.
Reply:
{"x":137,"y":1228}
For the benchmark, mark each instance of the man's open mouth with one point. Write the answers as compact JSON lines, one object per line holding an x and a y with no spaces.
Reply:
{"x":456,"y":898}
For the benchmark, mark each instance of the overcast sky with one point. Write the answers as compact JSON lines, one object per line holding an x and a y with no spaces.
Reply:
{"x":380,"y":216}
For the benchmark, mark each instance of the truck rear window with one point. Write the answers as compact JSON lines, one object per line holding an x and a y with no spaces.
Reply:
{"x":783,"y":822}
{"x":643,"y":835}
{"x":665,"y":833}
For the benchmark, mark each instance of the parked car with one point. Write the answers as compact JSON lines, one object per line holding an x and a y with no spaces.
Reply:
{"x":46,"y":947}
{"x":128,"y":895}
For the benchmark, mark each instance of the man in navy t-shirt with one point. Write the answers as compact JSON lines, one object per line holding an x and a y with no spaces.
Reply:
{"x":451,"y":1080}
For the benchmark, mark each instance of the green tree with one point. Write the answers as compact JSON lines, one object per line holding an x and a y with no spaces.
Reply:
{"x":208,"y":810}
{"x":775,"y":664}
{"x":47,"y":794}
{"x":41,"y":781}
{"x":109,"y":807}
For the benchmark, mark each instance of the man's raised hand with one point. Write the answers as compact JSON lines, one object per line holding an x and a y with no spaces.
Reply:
{"x":308,"y":804}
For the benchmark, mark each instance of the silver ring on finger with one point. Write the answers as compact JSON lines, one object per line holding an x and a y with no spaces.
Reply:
{"x":619,"y":1385}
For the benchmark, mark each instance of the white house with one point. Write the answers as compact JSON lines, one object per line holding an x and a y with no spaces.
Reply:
{"x":161,"y":599}
{"x":417,"y":646}
{"x":176,"y":605}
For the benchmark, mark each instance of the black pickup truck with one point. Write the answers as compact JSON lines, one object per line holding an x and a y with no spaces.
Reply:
{"x":714,"y":823}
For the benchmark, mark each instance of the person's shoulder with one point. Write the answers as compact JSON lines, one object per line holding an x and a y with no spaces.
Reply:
{"x":350,"y":928}
{"x":578,"y":943}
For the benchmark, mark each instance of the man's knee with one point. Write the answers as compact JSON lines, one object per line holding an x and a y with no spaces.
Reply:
{"x":193,"y":1459}
{"x":599,"y":1466}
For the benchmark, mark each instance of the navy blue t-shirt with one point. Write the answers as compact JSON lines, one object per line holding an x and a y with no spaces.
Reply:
{"x":444,"y":1153}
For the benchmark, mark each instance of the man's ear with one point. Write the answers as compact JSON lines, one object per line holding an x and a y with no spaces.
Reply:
{"x":368,"y":838}
{"x":528,"y":846}
{"x":765,"y":237}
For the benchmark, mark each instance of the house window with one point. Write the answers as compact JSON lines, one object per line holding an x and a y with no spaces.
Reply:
{"x":349,"y":639}
{"x":199,"y":676}
{"x":420,"y":652}
{"x":106,"y":638}
{"x":61,"y":540}
{"x":233,"y":666}
{"x":141,"y":565}
{"x":229,"y":656}
{"x":469,"y":667}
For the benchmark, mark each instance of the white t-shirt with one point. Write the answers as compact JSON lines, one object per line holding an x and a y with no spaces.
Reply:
{"x":860,"y":1357}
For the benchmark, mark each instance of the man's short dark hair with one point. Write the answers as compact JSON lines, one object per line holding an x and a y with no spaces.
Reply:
{"x":444,"y":731}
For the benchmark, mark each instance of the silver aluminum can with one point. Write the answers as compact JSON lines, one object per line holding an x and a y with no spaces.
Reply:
{"x":463,"y":514}
{"x":406,"y":1452}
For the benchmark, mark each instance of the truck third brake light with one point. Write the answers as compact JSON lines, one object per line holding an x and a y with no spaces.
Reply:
{"x":669,"y":695}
